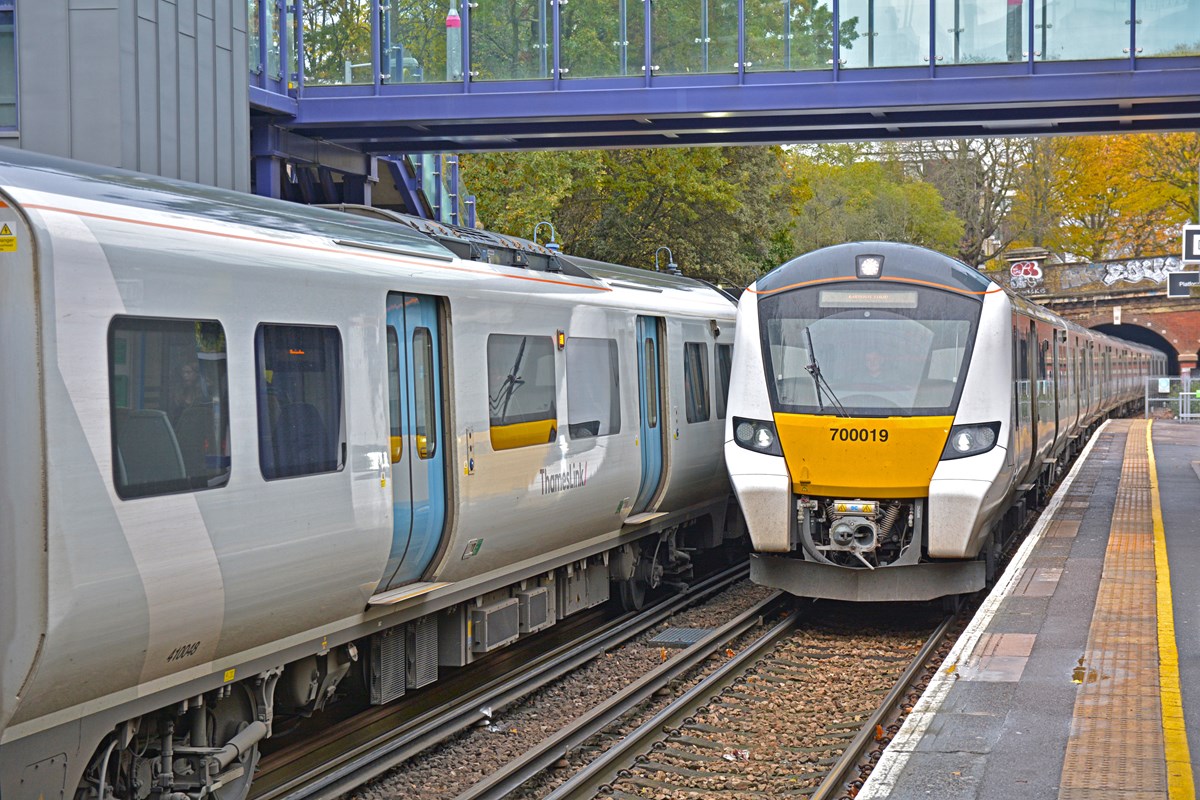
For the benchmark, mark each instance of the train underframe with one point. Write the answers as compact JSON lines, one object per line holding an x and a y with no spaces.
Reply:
{"x":207,"y":745}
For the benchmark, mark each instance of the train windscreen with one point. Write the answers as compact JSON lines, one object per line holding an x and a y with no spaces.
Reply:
{"x":876,"y":349}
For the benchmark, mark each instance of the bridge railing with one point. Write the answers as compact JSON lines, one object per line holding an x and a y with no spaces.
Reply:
{"x":418,"y":42}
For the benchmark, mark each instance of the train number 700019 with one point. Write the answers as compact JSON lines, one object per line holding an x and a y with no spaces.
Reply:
{"x":858,"y":434}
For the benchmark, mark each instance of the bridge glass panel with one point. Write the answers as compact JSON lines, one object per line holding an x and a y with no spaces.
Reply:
{"x":1080,"y":30}
{"x":512,"y":39}
{"x":694,"y":36}
{"x":788,"y":35}
{"x":254,"y":51}
{"x":602,"y":38}
{"x":413,"y":40}
{"x":884,"y":33}
{"x":980,"y":31}
{"x":274,"y":44}
{"x":1168,"y":28}
{"x":337,"y":43}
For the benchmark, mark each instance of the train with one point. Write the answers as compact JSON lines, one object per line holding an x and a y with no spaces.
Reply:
{"x":894,"y":413}
{"x":260,"y":457}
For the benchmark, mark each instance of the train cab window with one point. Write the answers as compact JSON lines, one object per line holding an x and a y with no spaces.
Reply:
{"x":169,"y":401}
{"x":695,"y":381}
{"x":724,"y":370}
{"x":299,"y":383}
{"x":593,"y":387}
{"x":521,"y":390}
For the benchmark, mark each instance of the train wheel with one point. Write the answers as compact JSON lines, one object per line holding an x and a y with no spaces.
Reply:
{"x":646,"y":576}
{"x":227,"y":719}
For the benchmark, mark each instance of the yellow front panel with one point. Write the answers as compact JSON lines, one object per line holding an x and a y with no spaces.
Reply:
{"x":523,"y":434}
{"x":862,"y":457}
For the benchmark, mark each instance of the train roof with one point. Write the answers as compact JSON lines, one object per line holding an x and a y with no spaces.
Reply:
{"x":904,"y":262}
{"x":22,"y":170}
{"x":25,"y":175}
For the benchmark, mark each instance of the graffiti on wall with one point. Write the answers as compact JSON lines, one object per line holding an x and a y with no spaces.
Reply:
{"x":1025,"y":275}
{"x":1136,"y":270}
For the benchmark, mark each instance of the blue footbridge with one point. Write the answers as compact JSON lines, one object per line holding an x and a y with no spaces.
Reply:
{"x":344,"y":89}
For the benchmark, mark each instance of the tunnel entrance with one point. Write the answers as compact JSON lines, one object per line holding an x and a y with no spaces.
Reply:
{"x":1143,"y":335}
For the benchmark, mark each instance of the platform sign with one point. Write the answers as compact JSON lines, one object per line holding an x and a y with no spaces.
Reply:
{"x":1191,"y":242}
{"x":1180,"y":284}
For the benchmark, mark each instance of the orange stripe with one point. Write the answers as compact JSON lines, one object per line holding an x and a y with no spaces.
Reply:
{"x":314,"y":248}
{"x":846,"y":278}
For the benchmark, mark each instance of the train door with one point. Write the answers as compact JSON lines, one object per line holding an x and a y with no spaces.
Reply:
{"x":650,"y":385}
{"x":417,"y":447}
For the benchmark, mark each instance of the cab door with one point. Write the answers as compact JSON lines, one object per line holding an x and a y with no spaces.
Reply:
{"x":650,"y":383}
{"x":417,"y":441}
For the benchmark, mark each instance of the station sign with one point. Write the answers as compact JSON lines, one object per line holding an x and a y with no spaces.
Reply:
{"x":1191,"y":243}
{"x":1180,"y":284}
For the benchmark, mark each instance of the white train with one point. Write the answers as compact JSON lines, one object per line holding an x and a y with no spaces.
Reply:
{"x":253,"y":450}
{"x":891,"y":406}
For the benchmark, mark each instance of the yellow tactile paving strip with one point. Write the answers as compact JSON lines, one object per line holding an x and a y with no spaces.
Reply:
{"x":1116,"y":747}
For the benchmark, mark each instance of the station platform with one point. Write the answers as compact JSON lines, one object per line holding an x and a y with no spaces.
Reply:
{"x":1079,"y":676}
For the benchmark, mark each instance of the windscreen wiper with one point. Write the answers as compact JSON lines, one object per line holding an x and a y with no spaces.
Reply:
{"x":819,"y":381}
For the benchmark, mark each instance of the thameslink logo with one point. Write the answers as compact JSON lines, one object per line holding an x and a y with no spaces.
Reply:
{"x":572,"y":477}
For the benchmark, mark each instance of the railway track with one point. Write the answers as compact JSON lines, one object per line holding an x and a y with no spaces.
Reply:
{"x":792,"y":715}
{"x":353,"y":751}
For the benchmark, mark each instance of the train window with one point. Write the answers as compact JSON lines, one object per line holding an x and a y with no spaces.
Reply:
{"x":593,"y":387}
{"x":396,"y":444}
{"x":169,"y":405}
{"x":299,"y":381}
{"x":724,"y":370}
{"x":695,"y":381}
{"x":424,"y":397}
{"x":521,"y":390}
{"x":650,"y":356}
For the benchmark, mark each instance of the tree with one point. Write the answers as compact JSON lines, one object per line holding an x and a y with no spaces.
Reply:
{"x":719,"y":210}
{"x":866,"y":200}
{"x":976,"y":179}
{"x":1036,"y":203}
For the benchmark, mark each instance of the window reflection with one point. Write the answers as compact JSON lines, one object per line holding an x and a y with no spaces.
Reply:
{"x":694,"y":36}
{"x":253,"y":31}
{"x":890,"y":33}
{"x":1168,"y":27}
{"x":791,"y":35}
{"x":274,"y":58}
{"x":602,"y":38}
{"x":978,"y":32}
{"x":1080,"y":30}
{"x":337,"y":43}
{"x":512,"y":39}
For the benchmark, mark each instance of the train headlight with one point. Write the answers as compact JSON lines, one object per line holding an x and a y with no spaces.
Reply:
{"x":971,"y":440}
{"x":756,"y":435}
{"x":868,"y":266}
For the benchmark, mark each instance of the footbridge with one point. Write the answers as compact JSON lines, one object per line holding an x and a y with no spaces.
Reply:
{"x":386,"y":76}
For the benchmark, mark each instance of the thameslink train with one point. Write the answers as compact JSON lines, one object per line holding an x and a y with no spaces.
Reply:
{"x":892,"y":411}
{"x":254,"y":453}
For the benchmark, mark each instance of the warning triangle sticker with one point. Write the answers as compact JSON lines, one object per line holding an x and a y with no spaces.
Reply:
{"x":5,"y":231}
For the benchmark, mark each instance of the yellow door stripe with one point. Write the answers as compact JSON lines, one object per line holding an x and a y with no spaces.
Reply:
{"x":1180,"y":785}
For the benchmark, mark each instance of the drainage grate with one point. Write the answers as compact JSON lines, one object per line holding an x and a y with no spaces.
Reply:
{"x":680,"y":637}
